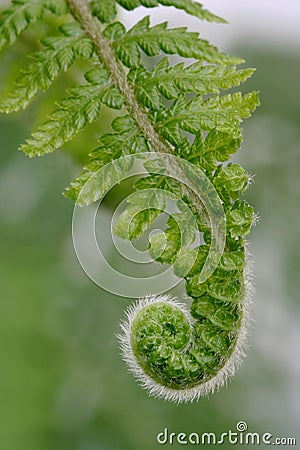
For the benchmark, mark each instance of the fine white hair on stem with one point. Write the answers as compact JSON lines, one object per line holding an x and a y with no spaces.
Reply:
{"x":219,"y":379}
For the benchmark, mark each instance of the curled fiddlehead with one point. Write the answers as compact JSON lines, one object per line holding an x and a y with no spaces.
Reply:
{"x":178,"y":353}
{"x":181,"y":354}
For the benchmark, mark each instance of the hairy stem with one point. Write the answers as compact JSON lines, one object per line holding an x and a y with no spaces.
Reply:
{"x":80,"y":10}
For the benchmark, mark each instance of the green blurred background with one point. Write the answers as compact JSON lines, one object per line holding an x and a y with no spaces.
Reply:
{"x":63,"y":385}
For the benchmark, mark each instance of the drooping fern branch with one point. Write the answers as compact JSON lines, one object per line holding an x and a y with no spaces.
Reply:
{"x":173,"y":110}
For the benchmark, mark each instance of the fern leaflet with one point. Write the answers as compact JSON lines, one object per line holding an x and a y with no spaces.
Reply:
{"x":24,"y":13}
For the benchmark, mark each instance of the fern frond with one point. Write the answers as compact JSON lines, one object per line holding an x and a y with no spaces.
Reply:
{"x":127,"y":139}
{"x":104,"y":10}
{"x":164,"y":247}
{"x":75,"y":112}
{"x":216,"y":147}
{"x":223,"y":113}
{"x":58,"y":56}
{"x":179,"y":110}
{"x":171,"y":81}
{"x":144,"y":207}
{"x":159,"y":38}
{"x":190,"y":7}
{"x":240,"y":219}
{"x":23,"y":13}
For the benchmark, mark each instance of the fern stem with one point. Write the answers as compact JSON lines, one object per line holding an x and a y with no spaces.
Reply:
{"x":81,"y":11}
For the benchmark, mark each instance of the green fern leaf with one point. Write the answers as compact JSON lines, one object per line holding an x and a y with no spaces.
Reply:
{"x":190,"y":7}
{"x":196,"y":78}
{"x":216,"y":147}
{"x":230,"y":290}
{"x":219,"y":314}
{"x":232,"y":180}
{"x":234,"y":260}
{"x":74,"y":113}
{"x":126,"y":140}
{"x":240,"y":219}
{"x":165,"y":183}
{"x":223,"y":113}
{"x":104,"y":10}
{"x":59,"y":54}
{"x":164,"y":247}
{"x":157,"y":39}
{"x":144,"y":207}
{"x":23,"y":13}
{"x":206,"y":153}
{"x":148,"y":203}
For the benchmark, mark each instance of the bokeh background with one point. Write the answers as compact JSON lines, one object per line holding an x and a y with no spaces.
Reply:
{"x":63,"y":385}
